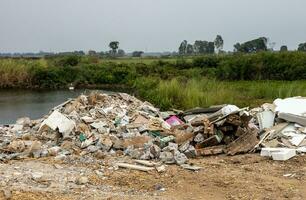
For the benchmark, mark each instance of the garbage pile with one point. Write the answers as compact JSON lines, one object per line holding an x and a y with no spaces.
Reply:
{"x":282,"y":127}
{"x":119,"y":124}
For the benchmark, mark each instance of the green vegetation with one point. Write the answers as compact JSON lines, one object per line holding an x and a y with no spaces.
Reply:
{"x":184,"y":94}
{"x":181,"y":82}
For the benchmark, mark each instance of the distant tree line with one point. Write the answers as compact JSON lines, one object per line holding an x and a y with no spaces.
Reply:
{"x":114,"y":51}
{"x":201,"y":47}
{"x":252,"y":46}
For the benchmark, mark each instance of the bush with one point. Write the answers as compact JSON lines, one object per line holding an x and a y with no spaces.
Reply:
{"x":206,"y":61}
{"x":65,"y":60}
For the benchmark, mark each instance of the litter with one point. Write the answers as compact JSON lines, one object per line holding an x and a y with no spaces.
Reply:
{"x":120,"y":124}
{"x":58,"y":121}
{"x":136,"y":167}
{"x":265,"y":119}
{"x":278,"y":153}
{"x":174,"y":121}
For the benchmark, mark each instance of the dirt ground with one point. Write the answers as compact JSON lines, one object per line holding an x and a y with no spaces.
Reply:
{"x":239,"y":177}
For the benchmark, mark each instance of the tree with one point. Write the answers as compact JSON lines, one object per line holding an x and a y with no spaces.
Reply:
{"x":302,"y":47}
{"x":121,"y":53}
{"x":200,"y":46}
{"x":183,"y":47}
{"x":114,"y":45}
{"x":283,"y":48}
{"x":237,"y":46}
{"x":210,"y":48}
{"x":92,"y":53}
{"x":137,"y":53}
{"x":203,"y":47}
{"x":219,"y":43}
{"x":256,"y":45}
{"x":189,"y":49}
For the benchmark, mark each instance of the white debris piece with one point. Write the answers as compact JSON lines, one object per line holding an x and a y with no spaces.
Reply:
{"x":98,"y":125}
{"x":293,"y":105}
{"x":301,"y":150}
{"x":17,"y":127}
{"x":226,"y":110}
{"x":265,"y":119}
{"x":59,"y":121}
{"x":289,"y":130}
{"x":87,"y":119}
{"x":107,"y":110}
{"x":278,"y":153}
{"x":285,"y":154}
{"x":297,"y":139}
{"x":136,"y":167}
{"x":23,"y":121}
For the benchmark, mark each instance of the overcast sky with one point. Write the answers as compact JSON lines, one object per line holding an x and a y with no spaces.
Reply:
{"x":149,"y":25}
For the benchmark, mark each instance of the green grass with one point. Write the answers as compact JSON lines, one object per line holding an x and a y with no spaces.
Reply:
{"x":148,"y":60}
{"x":16,"y":73}
{"x":183,"y":83}
{"x":205,"y":92}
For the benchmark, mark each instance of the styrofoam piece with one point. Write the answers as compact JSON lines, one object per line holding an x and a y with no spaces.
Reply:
{"x":289,"y":130}
{"x":293,"y":105}
{"x":298,"y":125}
{"x":268,"y":151}
{"x":278,"y":153}
{"x":301,"y":150}
{"x":284,"y":154}
{"x":265,"y":119}
{"x":293,"y":118}
{"x":297,"y":139}
{"x":226,"y":110}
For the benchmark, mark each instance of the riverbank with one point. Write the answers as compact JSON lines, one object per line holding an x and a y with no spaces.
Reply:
{"x":183,"y":93}
{"x":169,"y":83}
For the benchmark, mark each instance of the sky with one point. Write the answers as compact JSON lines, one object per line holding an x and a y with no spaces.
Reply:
{"x":148,"y":25}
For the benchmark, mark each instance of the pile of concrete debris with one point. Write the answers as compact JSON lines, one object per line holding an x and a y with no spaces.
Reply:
{"x":119,"y":125}
{"x":282,"y":127}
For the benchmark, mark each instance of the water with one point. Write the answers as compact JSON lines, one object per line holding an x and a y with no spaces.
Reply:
{"x":31,"y":103}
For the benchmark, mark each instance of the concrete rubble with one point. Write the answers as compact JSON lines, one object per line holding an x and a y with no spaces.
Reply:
{"x":284,"y":137}
{"x":121,"y":125}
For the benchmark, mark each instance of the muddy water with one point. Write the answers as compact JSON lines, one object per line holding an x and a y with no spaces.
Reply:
{"x":31,"y":103}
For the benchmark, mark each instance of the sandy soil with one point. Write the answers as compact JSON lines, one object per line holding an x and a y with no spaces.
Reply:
{"x":239,"y":177}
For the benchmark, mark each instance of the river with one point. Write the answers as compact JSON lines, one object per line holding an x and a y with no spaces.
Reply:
{"x":32,"y":103}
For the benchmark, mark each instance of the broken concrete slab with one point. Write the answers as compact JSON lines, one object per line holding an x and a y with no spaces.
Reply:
{"x":167,"y":157}
{"x":293,"y":118}
{"x":58,"y":121}
{"x":180,"y":158}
